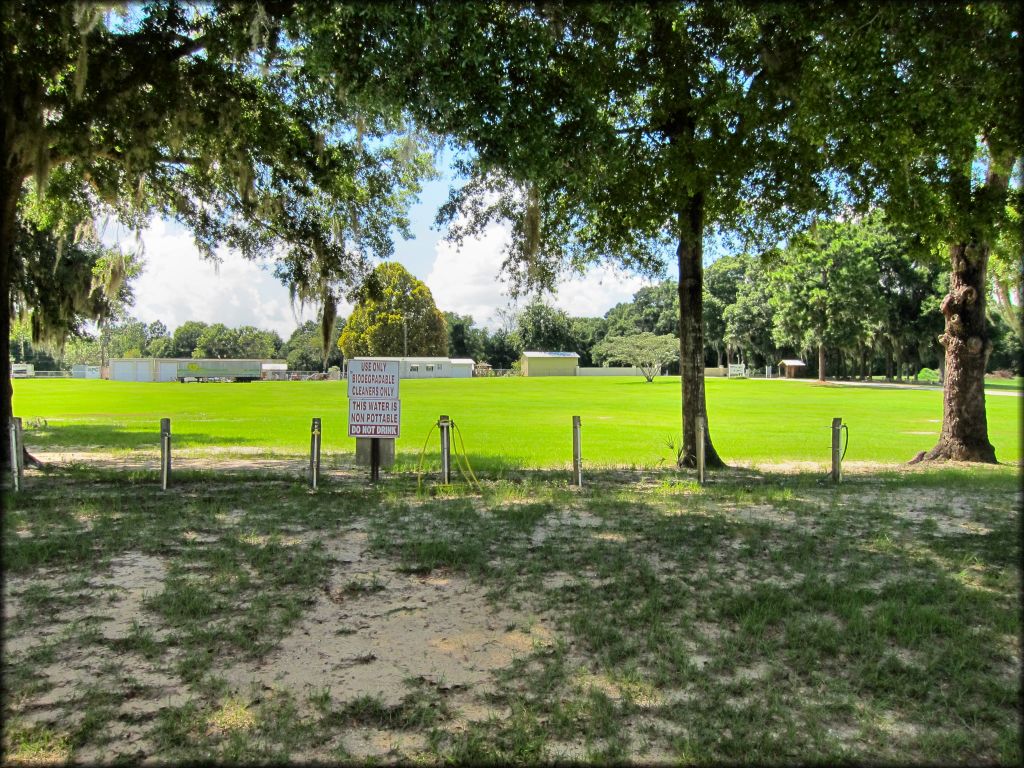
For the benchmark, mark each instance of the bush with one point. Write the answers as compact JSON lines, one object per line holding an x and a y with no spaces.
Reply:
{"x":929,"y":375}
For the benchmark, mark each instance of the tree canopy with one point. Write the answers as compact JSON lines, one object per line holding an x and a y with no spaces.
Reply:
{"x":202,"y":112}
{"x":645,"y":351}
{"x":395,"y":315}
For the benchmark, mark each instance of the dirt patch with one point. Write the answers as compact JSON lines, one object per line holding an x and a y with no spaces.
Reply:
{"x":372,"y":629}
{"x":951,"y":514}
{"x":384,"y":745}
{"x":209,"y":458}
{"x":112,"y":600}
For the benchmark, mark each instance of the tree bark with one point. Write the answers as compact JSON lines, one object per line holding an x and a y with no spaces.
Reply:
{"x":690,"y":255}
{"x":10,"y":186}
{"x":964,"y":435}
{"x":821,"y":362}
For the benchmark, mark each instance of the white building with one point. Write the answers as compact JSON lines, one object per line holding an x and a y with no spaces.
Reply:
{"x":431,"y":367}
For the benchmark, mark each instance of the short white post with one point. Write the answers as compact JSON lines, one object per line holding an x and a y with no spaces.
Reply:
{"x":837,"y":460}
{"x":17,"y":460}
{"x":700,"y":449}
{"x":165,"y":453}
{"x":19,"y":437}
{"x":577,"y":454}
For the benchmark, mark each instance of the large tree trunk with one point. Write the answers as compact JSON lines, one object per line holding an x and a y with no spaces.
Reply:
{"x":964,"y":435}
{"x":690,"y":254}
{"x":821,"y":362}
{"x":10,"y":186}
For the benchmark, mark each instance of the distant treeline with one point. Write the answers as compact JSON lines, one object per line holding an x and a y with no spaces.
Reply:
{"x":861,"y":291}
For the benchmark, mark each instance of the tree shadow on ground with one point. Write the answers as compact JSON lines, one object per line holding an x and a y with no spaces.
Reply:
{"x":100,"y":437}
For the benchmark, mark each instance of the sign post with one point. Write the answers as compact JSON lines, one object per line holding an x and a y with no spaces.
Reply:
{"x":374,"y":408}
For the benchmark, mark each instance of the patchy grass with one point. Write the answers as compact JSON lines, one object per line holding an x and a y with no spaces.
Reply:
{"x":767,"y":617}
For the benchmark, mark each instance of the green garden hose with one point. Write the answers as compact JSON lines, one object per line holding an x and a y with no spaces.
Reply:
{"x":419,"y":464}
{"x":465,"y":458}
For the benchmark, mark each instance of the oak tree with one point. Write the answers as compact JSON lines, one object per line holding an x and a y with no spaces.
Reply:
{"x":394,"y":316}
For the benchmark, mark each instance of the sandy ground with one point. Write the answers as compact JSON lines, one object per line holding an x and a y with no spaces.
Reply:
{"x":437,"y":629}
{"x":404,"y":631}
{"x":211,"y":459}
{"x":392,"y":632}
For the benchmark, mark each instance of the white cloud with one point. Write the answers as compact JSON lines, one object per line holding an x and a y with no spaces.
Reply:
{"x":177,"y":284}
{"x":597,"y":291}
{"x":467,"y":281}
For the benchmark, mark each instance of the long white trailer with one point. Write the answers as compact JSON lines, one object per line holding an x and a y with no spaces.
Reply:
{"x":185,"y":369}
{"x":206,"y":369}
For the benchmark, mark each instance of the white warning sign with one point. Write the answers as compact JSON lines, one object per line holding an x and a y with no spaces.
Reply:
{"x":374,"y":409}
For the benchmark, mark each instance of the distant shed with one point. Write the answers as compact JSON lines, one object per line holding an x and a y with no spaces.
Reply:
{"x":549,"y":363}
{"x":790,"y":368}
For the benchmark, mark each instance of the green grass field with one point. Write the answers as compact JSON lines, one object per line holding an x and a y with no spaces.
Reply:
{"x":992,"y":382}
{"x":508,"y":422}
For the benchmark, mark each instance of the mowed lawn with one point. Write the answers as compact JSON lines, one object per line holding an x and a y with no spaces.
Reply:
{"x":514,"y":422}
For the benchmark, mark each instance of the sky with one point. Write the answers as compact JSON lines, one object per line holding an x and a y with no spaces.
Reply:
{"x":177,"y":284}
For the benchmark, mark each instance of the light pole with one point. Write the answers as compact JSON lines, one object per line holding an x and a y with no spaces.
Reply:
{"x":405,"y":338}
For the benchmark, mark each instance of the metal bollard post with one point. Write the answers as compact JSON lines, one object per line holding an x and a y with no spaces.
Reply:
{"x":837,"y":469}
{"x":19,"y":436}
{"x":700,"y":449}
{"x":165,"y":453}
{"x":444,"y":425}
{"x":314,"y":454}
{"x":577,"y":455}
{"x":16,"y":477}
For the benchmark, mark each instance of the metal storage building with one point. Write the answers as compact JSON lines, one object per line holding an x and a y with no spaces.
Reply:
{"x":143,"y":369}
{"x":549,"y":363}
